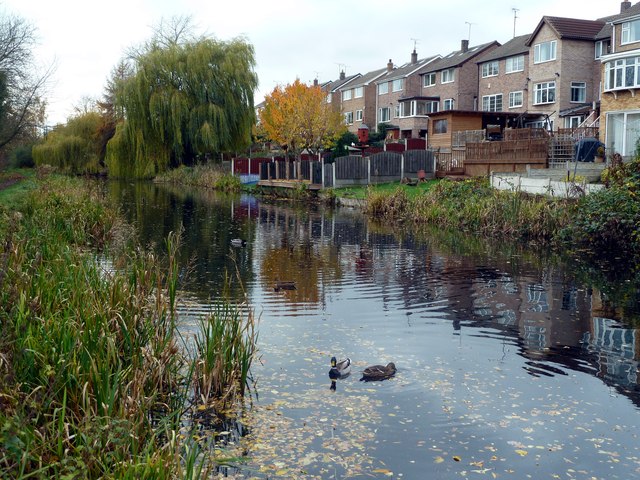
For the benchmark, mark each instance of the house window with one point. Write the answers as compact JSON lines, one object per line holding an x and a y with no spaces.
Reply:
{"x":396,"y":111}
{"x":383,"y":88}
{"x":447,"y":76}
{"x":346,"y":95}
{"x":429,"y":79}
{"x":440,"y":126}
{"x":425,"y":107}
{"x":602,"y":48}
{"x":578,"y":92}
{"x":572,"y":122}
{"x":447,"y":104}
{"x":492,"y":103}
{"x":328,"y":98}
{"x":384,"y":114}
{"x":516,"y":99}
{"x":358,"y":92}
{"x":348,"y":118}
{"x":397,"y":84}
{"x":358,"y":115}
{"x":623,"y":132}
{"x":490,"y":69}
{"x":623,"y":73}
{"x":544,"y":92}
{"x":407,"y":109}
{"x":544,"y":52}
{"x":514,"y":64}
{"x":630,"y":32}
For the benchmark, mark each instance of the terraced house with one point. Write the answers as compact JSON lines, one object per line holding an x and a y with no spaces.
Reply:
{"x":358,"y":101}
{"x":620,"y":102}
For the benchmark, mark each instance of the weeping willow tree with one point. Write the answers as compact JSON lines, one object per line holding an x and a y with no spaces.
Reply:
{"x":75,"y":147}
{"x":184,"y":100}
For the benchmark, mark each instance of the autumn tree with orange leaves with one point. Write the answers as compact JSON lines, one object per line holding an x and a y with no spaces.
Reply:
{"x":298,"y":118}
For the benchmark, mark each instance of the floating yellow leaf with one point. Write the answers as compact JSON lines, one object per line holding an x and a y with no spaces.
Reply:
{"x":388,"y":473}
{"x":438,"y":460}
{"x":522,"y":453}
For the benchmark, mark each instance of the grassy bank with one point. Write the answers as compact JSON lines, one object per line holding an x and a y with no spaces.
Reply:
{"x":96,"y":382}
{"x":209,"y":176}
{"x":603,"y":223}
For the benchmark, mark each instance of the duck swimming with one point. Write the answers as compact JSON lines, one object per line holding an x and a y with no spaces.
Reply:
{"x":378,"y":372}
{"x":340,"y":369}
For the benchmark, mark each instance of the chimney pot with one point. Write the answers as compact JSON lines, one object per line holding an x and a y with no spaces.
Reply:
{"x":414,"y":57}
{"x":389,"y":66}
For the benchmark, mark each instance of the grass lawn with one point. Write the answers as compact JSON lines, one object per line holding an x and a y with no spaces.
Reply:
{"x":360,"y":192}
{"x":15,"y":181}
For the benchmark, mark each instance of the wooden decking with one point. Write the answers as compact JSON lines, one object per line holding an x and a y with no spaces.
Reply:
{"x":289,"y":184}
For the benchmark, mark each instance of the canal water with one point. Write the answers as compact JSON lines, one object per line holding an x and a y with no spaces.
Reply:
{"x":510,"y":363}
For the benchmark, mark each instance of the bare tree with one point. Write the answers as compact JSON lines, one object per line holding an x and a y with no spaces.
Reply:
{"x":22,"y":106}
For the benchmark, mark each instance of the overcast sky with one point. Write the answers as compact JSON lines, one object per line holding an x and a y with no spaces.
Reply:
{"x":303,"y":39}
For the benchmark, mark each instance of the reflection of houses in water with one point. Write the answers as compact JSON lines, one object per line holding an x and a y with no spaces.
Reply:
{"x":615,"y":349}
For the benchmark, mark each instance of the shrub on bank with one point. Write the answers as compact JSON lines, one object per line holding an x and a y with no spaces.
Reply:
{"x":209,"y":176}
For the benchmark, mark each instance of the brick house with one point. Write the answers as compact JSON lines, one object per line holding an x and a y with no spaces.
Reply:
{"x":620,"y":102}
{"x":562,"y":74}
{"x":398,"y":94}
{"x":453,"y":80}
{"x":332,"y":88}
{"x":358,"y":100}
{"x":504,"y":73}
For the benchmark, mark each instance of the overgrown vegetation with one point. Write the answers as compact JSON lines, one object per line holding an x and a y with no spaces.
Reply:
{"x":96,"y":382}
{"x":210,"y":176}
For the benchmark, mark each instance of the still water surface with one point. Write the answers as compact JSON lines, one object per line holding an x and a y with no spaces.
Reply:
{"x":508,"y":365}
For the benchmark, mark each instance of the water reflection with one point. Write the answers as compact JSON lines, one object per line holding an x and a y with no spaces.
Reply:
{"x":499,"y":348}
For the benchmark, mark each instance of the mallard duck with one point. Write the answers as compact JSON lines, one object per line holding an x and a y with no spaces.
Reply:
{"x":340,"y":369}
{"x":284,"y":286}
{"x":378,"y":372}
{"x":238,"y":242}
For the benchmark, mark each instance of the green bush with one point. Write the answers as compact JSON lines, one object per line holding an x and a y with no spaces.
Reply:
{"x":22,"y":157}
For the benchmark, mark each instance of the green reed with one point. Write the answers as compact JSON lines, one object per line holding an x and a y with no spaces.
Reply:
{"x":94,"y":381}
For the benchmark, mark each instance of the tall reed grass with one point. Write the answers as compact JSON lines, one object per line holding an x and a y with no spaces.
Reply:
{"x":95,"y":382}
{"x":210,"y":176}
{"x":472,"y":205}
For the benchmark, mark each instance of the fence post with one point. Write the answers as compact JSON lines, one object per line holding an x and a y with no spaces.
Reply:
{"x":401,"y":167}
{"x":333,"y":173}
{"x":233,"y":160}
{"x":368,"y":170}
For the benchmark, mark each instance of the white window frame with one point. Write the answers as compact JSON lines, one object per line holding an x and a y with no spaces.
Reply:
{"x":346,"y":95}
{"x":358,"y":92}
{"x":581,"y":89}
{"x":329,"y":97}
{"x":492,"y":103}
{"x":447,"y":104}
{"x":544,"y":93}
{"x":627,"y":126}
{"x":545,"y":51}
{"x":381,"y":115}
{"x":490,"y":69}
{"x":602,"y":48}
{"x":429,"y":79}
{"x":358,"y":115}
{"x":514,"y":64}
{"x":383,"y":88}
{"x":447,"y":76}
{"x":348,"y":118}
{"x":622,"y":73}
{"x":396,"y":111}
{"x":397,"y":85}
{"x":513,"y":99}
{"x":630,"y":32}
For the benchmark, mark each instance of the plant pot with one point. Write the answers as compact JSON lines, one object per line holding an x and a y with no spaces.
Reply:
{"x":598,"y":159}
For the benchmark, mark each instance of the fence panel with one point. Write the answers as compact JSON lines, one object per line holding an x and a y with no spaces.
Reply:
{"x":416,"y":160}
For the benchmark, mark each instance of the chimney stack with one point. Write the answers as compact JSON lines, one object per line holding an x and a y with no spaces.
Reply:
{"x":389,"y":66}
{"x":342,"y":75}
{"x":315,"y":82}
{"x":464,"y":46}
{"x":414,"y":57}
{"x":624,"y":6}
